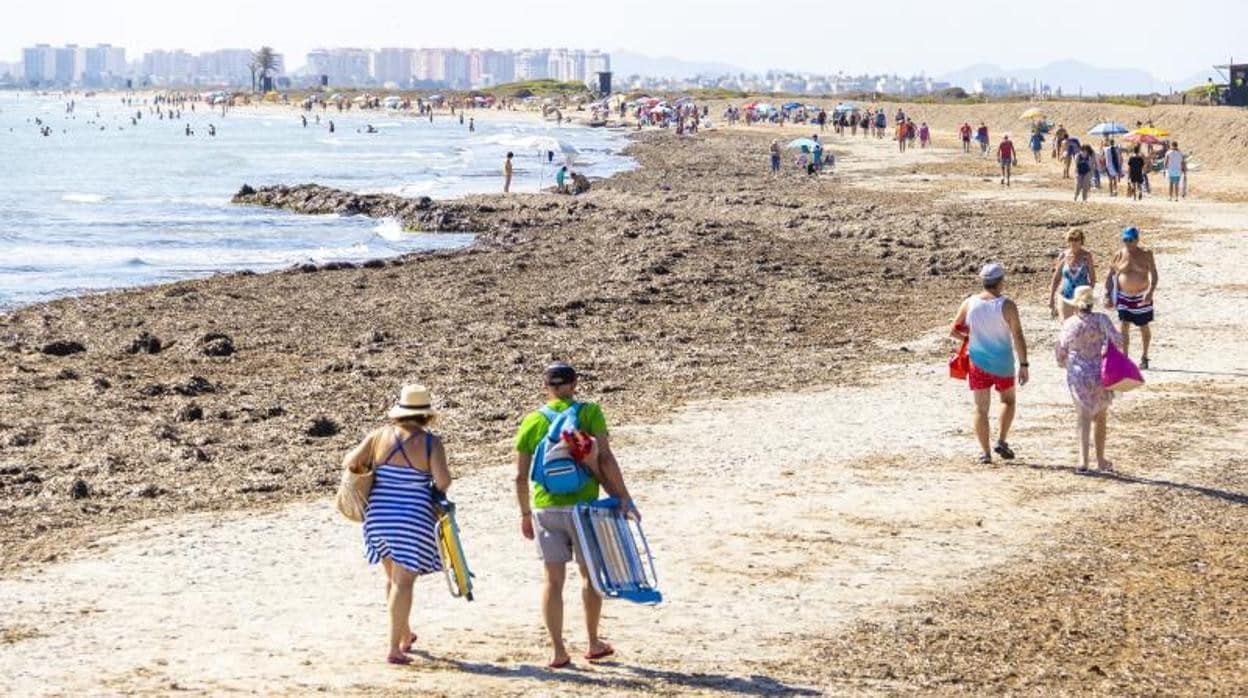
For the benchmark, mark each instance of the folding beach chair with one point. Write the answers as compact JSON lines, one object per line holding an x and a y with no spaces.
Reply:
{"x":609,"y":544}
{"x":454,"y":563}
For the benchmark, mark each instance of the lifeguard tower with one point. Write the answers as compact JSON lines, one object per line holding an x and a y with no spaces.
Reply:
{"x":1235,"y":92}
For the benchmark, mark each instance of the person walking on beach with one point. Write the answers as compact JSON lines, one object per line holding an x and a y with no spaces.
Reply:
{"x":1083,"y":172}
{"x":1059,"y":140}
{"x":1135,"y":174}
{"x":992,"y":323}
{"x":507,"y":171}
{"x":547,"y":516}
{"x":1129,"y":286}
{"x":1080,"y":350}
{"x":981,"y":135}
{"x":775,"y":156}
{"x":1173,"y":163}
{"x":1113,"y":166}
{"x":925,"y":135}
{"x":902,"y":134}
{"x":472,"y":124}
{"x":1007,"y":157}
{"x":965,"y":133}
{"x":1074,"y":267}
{"x":1037,"y":144}
{"x":1072,"y":149}
{"x":405,"y":458}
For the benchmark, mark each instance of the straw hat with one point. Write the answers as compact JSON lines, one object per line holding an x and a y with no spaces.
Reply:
{"x":414,"y":401}
{"x":1083,"y":297}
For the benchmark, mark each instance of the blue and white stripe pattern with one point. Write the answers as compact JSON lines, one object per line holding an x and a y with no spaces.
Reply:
{"x":399,"y":523}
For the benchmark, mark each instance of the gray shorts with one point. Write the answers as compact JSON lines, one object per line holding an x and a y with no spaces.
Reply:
{"x":555,"y":534}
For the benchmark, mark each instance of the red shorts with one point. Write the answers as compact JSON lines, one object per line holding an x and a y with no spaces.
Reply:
{"x":983,"y":380}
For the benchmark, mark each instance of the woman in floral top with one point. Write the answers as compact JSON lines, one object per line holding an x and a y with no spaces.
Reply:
{"x":1080,"y":349}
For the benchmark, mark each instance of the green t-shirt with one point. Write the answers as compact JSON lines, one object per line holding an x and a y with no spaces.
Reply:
{"x":533,"y":429}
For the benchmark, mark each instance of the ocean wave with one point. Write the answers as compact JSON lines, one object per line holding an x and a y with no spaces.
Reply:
{"x":389,"y":229}
{"x":77,"y":198}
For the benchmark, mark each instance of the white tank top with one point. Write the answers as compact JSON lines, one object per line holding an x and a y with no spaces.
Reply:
{"x":991,"y":347}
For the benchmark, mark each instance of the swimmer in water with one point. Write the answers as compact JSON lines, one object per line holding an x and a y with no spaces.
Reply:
{"x":331,"y":125}
{"x":472,"y":126}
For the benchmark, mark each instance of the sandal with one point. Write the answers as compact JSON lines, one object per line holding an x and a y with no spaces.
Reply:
{"x":560,"y":665}
{"x":603,"y":653}
{"x":1003,"y":450}
{"x":985,"y":459}
{"x":1144,"y":364}
{"x":401,"y":660}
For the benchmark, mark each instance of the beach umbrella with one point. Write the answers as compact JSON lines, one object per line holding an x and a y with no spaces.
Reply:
{"x":801,"y":143}
{"x":1108,"y":128}
{"x":1152,"y":131}
{"x":545,"y":143}
{"x":1141,"y":138}
{"x":1033,"y":113}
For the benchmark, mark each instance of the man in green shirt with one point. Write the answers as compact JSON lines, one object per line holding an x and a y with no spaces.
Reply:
{"x":547,"y":518}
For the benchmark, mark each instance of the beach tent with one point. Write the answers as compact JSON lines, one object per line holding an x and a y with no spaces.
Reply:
{"x":1108,"y":128}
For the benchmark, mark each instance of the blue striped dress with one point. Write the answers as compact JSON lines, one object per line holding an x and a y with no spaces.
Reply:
{"x":399,"y":522}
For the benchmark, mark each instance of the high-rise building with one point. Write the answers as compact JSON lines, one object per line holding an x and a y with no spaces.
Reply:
{"x":102,"y":65}
{"x":169,"y":67}
{"x":596,"y":62}
{"x":393,"y":65}
{"x":229,"y":66}
{"x":39,"y":64}
{"x":532,"y":64}
{"x":487,"y":67}
{"x":345,"y":67}
{"x":67,"y":61}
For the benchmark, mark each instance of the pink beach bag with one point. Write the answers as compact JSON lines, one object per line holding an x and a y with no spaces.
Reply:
{"x":1118,"y":372}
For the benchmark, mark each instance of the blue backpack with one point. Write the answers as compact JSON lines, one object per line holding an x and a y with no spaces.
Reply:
{"x":554,"y":468}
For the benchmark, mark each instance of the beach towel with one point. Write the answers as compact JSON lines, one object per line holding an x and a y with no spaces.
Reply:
{"x":1118,"y":372}
{"x":960,"y":363}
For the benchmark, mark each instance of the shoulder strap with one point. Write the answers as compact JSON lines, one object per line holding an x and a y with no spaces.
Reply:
{"x":429,"y":450}
{"x":396,"y":448}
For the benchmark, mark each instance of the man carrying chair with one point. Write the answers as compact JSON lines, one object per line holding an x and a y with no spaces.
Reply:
{"x":566,"y":469}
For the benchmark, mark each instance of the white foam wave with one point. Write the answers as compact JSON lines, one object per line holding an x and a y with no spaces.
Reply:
{"x":84,"y":198}
{"x":389,"y":229}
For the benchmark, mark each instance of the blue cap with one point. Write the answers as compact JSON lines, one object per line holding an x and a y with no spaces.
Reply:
{"x":1130,"y":234}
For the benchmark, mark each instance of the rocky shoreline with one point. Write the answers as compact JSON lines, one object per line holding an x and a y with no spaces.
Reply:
{"x":693,"y":277}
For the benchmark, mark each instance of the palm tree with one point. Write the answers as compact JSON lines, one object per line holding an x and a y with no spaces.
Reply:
{"x":264,"y":62}
{"x":254,"y":67}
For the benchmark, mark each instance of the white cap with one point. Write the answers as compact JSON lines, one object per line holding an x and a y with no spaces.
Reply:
{"x":992,"y":272}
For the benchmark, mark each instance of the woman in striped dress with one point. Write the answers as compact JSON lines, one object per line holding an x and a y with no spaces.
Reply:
{"x":399,"y":521}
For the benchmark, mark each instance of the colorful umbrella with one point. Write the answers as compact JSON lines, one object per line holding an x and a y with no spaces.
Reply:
{"x":1033,"y":113}
{"x":1152,"y":131}
{"x":801,"y":143}
{"x":1108,"y":128}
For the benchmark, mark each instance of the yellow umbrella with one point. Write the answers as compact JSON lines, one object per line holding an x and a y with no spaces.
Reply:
{"x":1152,"y":131}
{"x":1033,"y":113}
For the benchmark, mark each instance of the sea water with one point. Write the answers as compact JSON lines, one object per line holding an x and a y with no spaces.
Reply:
{"x":102,"y":203}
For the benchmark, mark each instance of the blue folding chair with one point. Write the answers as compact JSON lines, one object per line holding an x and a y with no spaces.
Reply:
{"x":609,"y":544}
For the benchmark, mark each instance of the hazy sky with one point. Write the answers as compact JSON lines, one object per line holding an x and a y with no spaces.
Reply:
{"x":1168,"y":39}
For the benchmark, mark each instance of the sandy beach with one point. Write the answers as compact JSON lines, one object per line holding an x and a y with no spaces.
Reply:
{"x":169,"y":509}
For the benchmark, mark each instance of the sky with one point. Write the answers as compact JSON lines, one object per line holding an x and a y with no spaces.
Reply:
{"x":1168,"y":39}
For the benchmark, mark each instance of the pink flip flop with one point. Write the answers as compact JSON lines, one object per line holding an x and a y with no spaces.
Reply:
{"x":600,"y":654}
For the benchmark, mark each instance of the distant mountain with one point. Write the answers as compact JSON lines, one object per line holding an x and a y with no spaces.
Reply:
{"x":629,"y":63}
{"x":1071,"y":76}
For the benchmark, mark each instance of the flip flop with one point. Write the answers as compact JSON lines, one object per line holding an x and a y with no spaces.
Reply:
{"x":400,"y":661}
{"x":560,"y":665}
{"x":600,"y":654}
